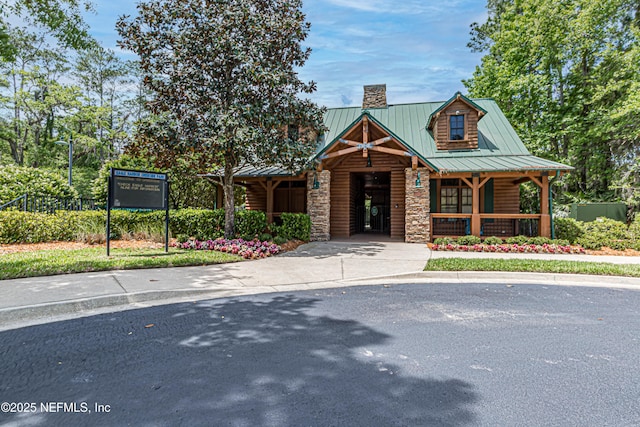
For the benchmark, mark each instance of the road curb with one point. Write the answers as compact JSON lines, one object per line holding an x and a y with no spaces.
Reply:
{"x":533,"y":278}
{"x":33,"y":312}
{"x":15,"y":317}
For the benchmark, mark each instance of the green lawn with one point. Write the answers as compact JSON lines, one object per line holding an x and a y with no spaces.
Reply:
{"x":59,"y":261}
{"x":535,"y":266}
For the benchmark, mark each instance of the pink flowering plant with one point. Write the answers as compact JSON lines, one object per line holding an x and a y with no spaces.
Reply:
{"x":247,"y":249}
{"x":545,"y":248}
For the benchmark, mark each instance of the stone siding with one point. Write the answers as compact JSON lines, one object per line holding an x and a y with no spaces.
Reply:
{"x":417,"y":205}
{"x":319,"y":205}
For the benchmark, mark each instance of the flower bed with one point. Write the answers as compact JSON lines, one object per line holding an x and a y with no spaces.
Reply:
{"x":511,"y":248}
{"x":252,"y":249}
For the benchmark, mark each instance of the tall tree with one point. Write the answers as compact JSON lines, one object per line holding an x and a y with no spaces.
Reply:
{"x":34,"y":93}
{"x":225,"y":73}
{"x":104,"y":78}
{"x":562,"y":71}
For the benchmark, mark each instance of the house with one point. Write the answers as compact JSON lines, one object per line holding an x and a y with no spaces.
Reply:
{"x":413,"y":172}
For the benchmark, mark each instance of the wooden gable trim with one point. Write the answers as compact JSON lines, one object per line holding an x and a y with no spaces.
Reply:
{"x":365,"y":146}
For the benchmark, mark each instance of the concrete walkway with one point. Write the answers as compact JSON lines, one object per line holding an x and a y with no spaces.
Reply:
{"x":311,"y":266}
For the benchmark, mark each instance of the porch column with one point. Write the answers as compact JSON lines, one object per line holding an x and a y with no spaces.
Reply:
{"x":417,"y":228}
{"x":476,"y":223}
{"x":319,"y":204}
{"x":269,"y":201}
{"x":545,"y":218}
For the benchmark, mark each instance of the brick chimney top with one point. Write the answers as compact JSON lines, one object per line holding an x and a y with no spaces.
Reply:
{"x":375,"y":96}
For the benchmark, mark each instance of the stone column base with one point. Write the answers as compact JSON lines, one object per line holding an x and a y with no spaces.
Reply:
{"x":417,"y":227}
{"x":319,"y":204}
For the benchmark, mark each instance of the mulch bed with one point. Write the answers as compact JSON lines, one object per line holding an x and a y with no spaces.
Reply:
{"x":609,"y":251}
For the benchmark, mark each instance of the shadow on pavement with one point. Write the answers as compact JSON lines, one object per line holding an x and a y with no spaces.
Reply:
{"x":335,"y":248}
{"x":273,"y":361}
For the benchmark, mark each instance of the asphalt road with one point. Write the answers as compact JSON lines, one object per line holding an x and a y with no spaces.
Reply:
{"x":414,"y":355}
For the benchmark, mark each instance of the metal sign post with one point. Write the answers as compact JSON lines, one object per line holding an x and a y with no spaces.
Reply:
{"x":129,"y":189}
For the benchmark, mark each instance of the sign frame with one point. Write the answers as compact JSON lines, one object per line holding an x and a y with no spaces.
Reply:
{"x":138,"y":183}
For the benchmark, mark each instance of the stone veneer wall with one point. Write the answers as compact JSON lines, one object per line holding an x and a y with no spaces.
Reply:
{"x":417,"y":204}
{"x":319,"y":205}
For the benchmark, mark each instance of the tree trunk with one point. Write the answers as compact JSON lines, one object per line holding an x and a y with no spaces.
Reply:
{"x":229,"y":204}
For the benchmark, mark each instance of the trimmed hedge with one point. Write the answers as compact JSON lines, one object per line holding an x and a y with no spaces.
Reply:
{"x":28,"y":227}
{"x":295,"y":226}
{"x":250,"y":224}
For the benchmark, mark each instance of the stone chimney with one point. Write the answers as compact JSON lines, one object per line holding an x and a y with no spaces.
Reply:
{"x":375,"y":96}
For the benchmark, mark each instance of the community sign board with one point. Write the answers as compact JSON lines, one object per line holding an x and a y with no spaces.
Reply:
{"x":131,"y":189}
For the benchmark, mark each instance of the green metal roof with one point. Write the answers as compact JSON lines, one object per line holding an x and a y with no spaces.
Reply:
{"x":499,"y":147}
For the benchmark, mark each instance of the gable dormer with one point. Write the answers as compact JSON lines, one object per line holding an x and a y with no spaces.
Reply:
{"x":455,"y":124}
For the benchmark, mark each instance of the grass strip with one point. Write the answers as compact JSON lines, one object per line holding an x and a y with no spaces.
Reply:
{"x":533,"y":266}
{"x":59,"y":261}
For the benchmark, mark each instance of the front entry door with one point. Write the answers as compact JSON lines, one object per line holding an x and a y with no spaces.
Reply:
{"x":373,"y":201}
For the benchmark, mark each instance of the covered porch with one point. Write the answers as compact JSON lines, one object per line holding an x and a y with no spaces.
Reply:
{"x":485,"y":204}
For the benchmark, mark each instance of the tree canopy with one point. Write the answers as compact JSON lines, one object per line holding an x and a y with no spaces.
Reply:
{"x":62,"y":19}
{"x":224,"y":73}
{"x":566,"y":74}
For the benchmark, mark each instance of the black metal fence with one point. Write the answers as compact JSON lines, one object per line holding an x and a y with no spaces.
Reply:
{"x":48,"y":204}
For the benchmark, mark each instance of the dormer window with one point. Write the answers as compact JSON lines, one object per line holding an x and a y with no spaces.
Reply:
{"x":456,"y":127}
{"x":455,"y":124}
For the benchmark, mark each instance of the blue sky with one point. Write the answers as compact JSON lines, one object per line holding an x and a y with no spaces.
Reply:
{"x":418,"y":48}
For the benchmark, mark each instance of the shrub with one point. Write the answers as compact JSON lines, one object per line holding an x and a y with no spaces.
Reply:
{"x":279,"y":240}
{"x":539,"y":241}
{"x":249,"y":223}
{"x":295,"y":226}
{"x":568,"y":229}
{"x":604,"y":232}
{"x":517,"y":240}
{"x":444,"y":241}
{"x":181,"y":238}
{"x":469,"y":240}
{"x":493,"y":240}
{"x":18,"y":180}
{"x":202,"y":224}
{"x":29,"y":227}
{"x":634,"y":228}
{"x":266,"y":237}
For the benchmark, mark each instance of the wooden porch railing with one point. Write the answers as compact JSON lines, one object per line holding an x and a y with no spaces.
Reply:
{"x":499,"y":225}
{"x":450,"y":225}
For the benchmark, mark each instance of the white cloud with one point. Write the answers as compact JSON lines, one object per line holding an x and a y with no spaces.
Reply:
{"x":392,"y":6}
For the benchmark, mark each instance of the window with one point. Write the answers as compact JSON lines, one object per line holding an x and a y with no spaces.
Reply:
{"x":466,"y":203}
{"x":456,"y":127}
{"x":455,"y":197}
{"x":449,"y":200}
